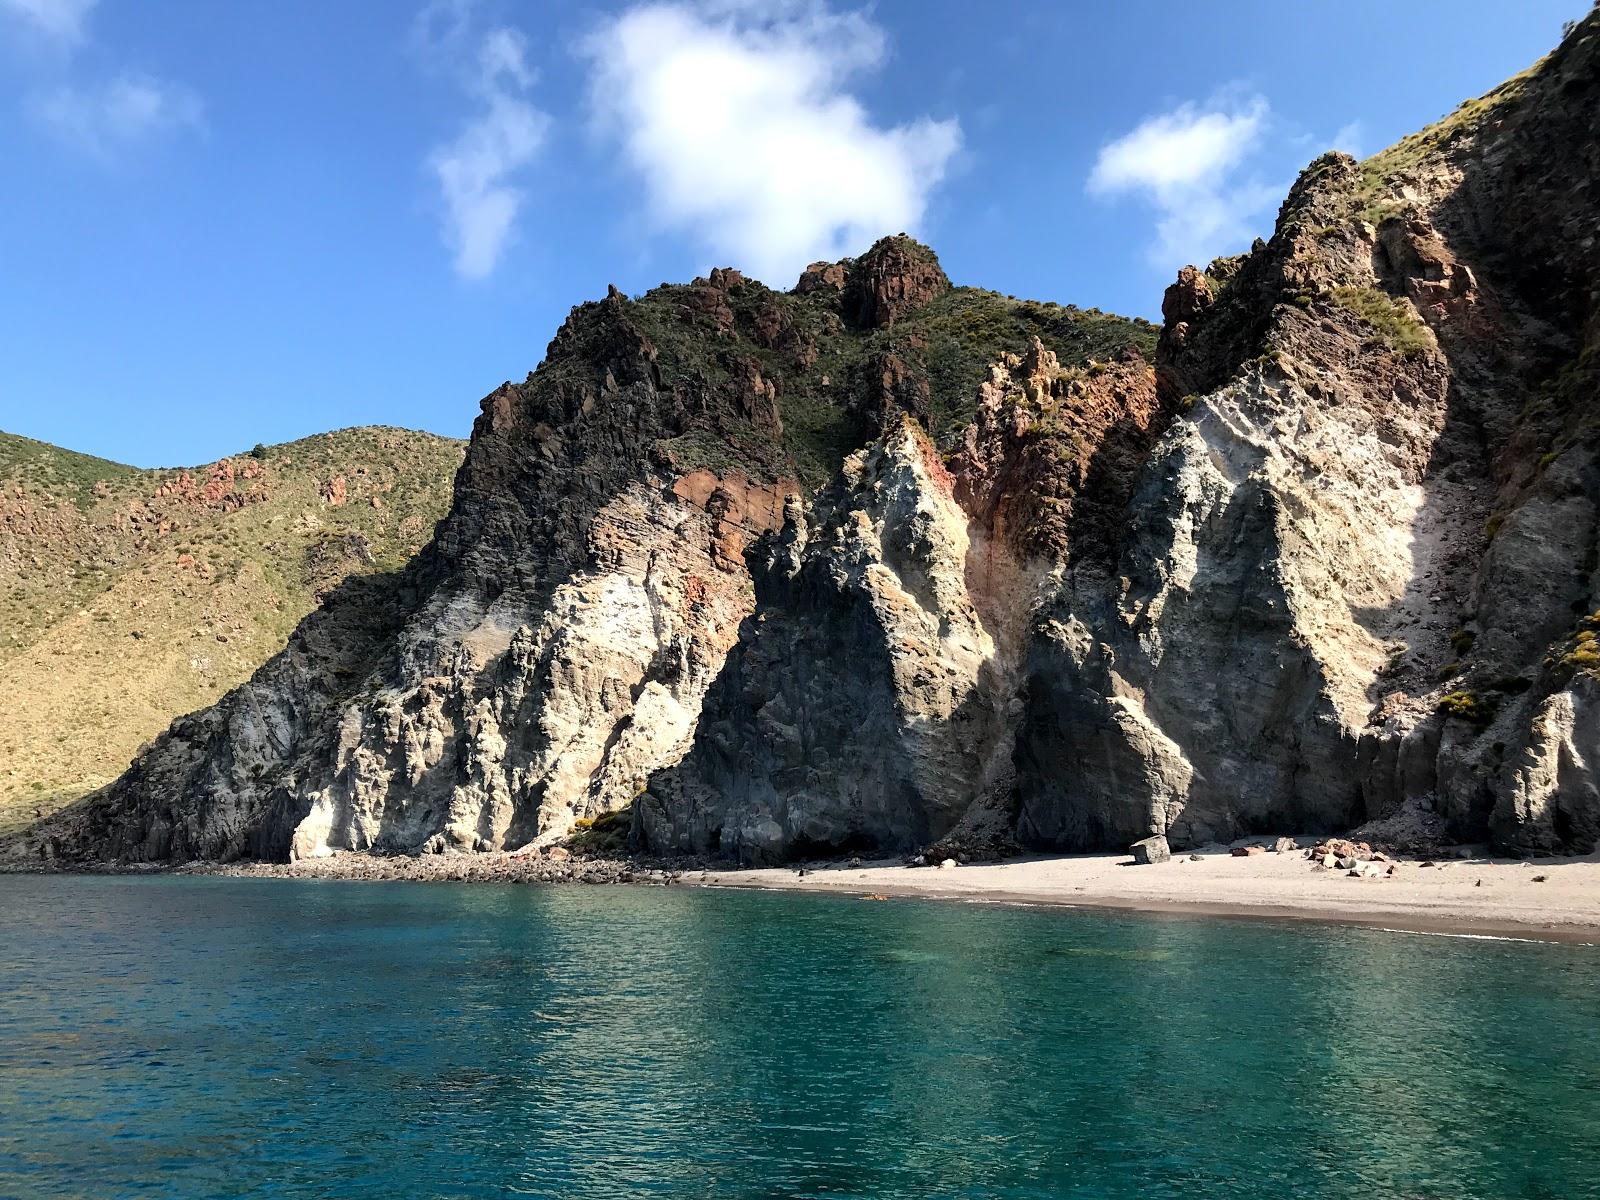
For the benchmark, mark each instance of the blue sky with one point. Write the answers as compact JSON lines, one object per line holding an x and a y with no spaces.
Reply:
{"x":231,"y":223}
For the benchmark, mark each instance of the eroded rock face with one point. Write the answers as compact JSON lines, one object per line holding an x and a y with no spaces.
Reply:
{"x":1552,"y":795}
{"x":873,"y":698}
{"x":549,"y":653}
{"x":534,"y":665}
{"x":1348,"y":568}
{"x":1218,"y":683}
{"x":895,"y":277}
{"x":867,"y":702}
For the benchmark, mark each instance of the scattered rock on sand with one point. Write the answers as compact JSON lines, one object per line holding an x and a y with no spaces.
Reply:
{"x":1151,"y":850}
{"x":1342,"y":848}
{"x":947,"y":864}
{"x":1286,"y":845}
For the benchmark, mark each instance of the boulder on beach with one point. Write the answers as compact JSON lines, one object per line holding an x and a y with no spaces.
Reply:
{"x":1152,"y":849}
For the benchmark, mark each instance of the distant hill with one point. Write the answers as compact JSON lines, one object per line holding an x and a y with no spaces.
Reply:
{"x":128,"y":597}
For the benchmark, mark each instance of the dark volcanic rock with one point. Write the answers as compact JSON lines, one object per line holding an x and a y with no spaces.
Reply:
{"x":896,"y":277}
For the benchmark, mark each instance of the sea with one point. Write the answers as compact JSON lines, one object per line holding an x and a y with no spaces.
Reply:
{"x":180,"y":1036}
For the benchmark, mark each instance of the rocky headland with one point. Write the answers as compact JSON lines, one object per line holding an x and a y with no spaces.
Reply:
{"x":882,"y":565}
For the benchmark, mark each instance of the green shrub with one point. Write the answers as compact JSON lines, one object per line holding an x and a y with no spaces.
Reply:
{"x":1467,"y":706}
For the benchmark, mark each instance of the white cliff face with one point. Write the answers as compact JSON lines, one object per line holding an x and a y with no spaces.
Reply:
{"x":1554,"y":783}
{"x":1309,"y":564}
{"x":1222,"y":681}
{"x":564,"y":716}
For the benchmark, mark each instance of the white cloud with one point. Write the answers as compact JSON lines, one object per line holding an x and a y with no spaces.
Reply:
{"x":61,"y":20}
{"x":475,"y":173}
{"x":1182,"y":162}
{"x":1348,"y":139}
{"x":108,"y":118}
{"x":735,"y":114}
{"x":477,"y":170}
{"x":1182,"y":149}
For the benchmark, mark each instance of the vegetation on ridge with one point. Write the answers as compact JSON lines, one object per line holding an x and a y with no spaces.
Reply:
{"x":822,"y":368}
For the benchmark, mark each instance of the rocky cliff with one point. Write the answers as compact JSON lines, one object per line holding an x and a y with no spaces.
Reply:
{"x":881,"y":563}
{"x":550,"y":651}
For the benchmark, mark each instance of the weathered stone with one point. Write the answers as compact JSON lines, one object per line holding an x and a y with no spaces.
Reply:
{"x":1153,"y":849}
{"x":895,"y":277}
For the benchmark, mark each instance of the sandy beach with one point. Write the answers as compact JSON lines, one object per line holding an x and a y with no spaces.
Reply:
{"x":1548,"y":899}
{"x":1553,"y":899}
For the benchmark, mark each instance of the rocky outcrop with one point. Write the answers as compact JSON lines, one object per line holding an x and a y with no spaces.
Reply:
{"x":872,"y":699}
{"x":1217,"y":682}
{"x":550,"y":652}
{"x":1346,"y":564}
{"x":1332,"y":559}
{"x":867,"y":702}
{"x":1282,"y":613}
{"x":533,"y":665}
{"x":896,"y":277}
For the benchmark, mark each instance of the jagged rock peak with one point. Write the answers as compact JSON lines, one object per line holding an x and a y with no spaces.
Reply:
{"x":897,"y":276}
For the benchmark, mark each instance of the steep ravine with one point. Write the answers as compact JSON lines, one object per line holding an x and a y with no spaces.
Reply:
{"x":883,"y":564}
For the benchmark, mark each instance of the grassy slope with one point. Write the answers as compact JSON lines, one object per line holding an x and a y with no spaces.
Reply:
{"x":121,"y":608}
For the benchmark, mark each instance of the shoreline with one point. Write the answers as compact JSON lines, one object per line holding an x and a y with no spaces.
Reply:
{"x":1421,"y":923}
{"x":1551,"y":900}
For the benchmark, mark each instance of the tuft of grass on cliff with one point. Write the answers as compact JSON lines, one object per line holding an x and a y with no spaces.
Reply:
{"x":1412,"y":150}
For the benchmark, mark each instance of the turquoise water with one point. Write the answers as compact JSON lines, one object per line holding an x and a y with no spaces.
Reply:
{"x":217,"y":1038}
